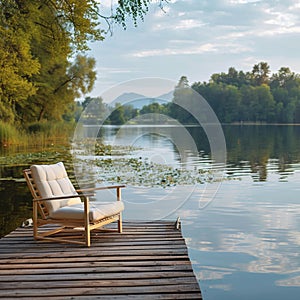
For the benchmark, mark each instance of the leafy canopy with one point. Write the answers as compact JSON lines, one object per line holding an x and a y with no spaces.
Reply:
{"x":42,"y":45}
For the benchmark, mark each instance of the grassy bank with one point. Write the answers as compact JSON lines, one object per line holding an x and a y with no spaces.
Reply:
{"x":36,"y":134}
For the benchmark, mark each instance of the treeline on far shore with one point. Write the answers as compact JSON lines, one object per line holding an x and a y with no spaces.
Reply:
{"x":254,"y":97}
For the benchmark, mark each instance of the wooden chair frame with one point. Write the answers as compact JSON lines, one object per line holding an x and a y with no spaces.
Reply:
{"x":41,"y":216}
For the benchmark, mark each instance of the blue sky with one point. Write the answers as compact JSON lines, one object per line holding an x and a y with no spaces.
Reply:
{"x":197,"y":38}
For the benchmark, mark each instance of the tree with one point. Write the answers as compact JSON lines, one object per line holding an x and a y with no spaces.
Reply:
{"x":266,"y":103}
{"x":130,"y":112}
{"x":257,"y":104}
{"x":38,"y":38}
{"x":223,"y":99}
{"x":285,"y":78}
{"x":95,"y":110}
{"x":285,"y":86}
{"x":117,"y":115}
{"x":18,"y":65}
{"x":183,"y":83}
{"x":38,"y":42}
{"x":154,"y":108}
{"x":182,"y":93}
{"x":134,"y":9}
{"x":260,"y":73}
{"x":231,"y":99}
{"x":233,"y":77}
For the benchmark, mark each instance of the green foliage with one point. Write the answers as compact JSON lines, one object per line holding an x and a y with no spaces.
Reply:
{"x":253,"y":96}
{"x":182,"y":93}
{"x":260,"y":73}
{"x":38,"y":38}
{"x":134,"y":8}
{"x":6,"y":113}
{"x":42,"y":71}
{"x":94,"y":110}
{"x":8,"y":134}
{"x":80,"y":76}
{"x":102,"y":149}
{"x":142,"y":172}
{"x":117,"y":115}
{"x":17,"y":62}
{"x":79,"y":21}
{"x":154,"y":108}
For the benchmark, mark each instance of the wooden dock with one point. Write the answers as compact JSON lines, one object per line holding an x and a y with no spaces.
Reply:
{"x":146,"y":261}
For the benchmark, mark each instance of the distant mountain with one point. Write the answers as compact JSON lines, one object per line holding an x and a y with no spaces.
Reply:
{"x":168,"y":96}
{"x":138,"y":100}
{"x":127,"y":97}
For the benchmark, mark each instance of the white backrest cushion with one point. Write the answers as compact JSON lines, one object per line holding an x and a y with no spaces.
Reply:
{"x":53,"y":181}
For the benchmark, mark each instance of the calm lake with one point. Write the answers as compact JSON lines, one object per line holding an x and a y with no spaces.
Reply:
{"x":242,"y":230}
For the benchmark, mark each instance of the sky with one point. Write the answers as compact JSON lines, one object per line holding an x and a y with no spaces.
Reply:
{"x":197,"y":38}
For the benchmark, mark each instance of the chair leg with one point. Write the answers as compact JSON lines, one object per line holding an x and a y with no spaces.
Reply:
{"x":87,"y":222}
{"x":87,"y":237}
{"x":120,"y":225}
{"x":119,"y":197}
{"x":35,"y":220}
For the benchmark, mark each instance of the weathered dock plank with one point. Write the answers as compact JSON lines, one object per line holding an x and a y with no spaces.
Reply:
{"x":146,"y":261}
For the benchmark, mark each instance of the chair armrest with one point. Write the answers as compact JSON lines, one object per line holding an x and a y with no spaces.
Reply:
{"x":80,"y":195}
{"x":101,"y":188}
{"x":63,"y":197}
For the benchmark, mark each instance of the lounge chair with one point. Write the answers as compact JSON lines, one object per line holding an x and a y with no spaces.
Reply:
{"x":55,"y":201}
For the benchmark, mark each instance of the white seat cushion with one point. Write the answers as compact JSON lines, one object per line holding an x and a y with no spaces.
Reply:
{"x":98,"y":211}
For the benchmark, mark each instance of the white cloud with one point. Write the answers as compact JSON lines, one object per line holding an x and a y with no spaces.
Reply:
{"x":173,"y":51}
{"x":185,"y":24}
{"x":294,"y":6}
{"x":279,"y":31}
{"x":281,"y":18}
{"x":188,"y":24}
{"x":200,"y":49}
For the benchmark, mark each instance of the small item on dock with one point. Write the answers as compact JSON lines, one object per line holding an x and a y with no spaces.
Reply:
{"x":178,"y":224}
{"x":27,"y":223}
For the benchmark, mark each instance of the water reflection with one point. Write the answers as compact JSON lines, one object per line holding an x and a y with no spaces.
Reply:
{"x":255,"y":150}
{"x":245,"y":243}
{"x":262,"y":148}
{"x":250,"y":231}
{"x":15,"y":205}
{"x":249,"y":235}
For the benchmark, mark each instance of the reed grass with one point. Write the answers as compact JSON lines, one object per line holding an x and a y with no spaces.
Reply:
{"x":9,"y":135}
{"x":36,"y":134}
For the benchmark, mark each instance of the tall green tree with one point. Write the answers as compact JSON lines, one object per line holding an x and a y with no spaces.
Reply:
{"x":117,"y":115}
{"x":224,"y":99}
{"x":182,"y":94}
{"x":95,"y":110}
{"x":18,"y":65}
{"x":41,"y":72}
{"x":260,"y":73}
{"x":233,"y":77}
{"x":257,"y":104}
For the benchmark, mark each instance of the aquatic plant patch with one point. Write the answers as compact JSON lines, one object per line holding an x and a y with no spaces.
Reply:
{"x":142,"y":172}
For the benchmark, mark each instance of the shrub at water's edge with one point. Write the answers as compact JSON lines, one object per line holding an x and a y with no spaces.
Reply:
{"x":41,"y":133}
